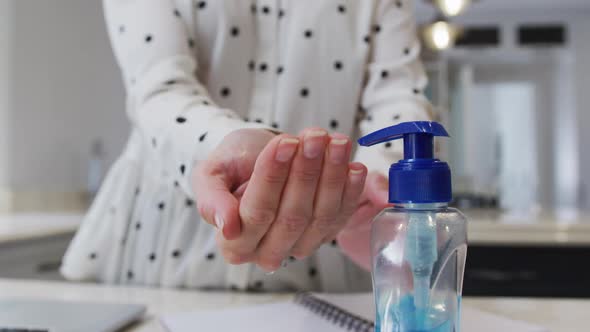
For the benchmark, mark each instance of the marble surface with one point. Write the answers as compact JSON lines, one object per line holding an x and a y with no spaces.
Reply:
{"x":29,"y":226}
{"x":559,"y":315}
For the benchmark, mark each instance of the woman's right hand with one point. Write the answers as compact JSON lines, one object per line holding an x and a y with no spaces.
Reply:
{"x":278,"y":196}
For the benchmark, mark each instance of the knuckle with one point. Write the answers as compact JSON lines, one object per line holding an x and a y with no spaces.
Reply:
{"x":306,"y":175}
{"x":325,"y":223}
{"x":292,"y":223}
{"x":258,"y":216}
{"x":333,"y":181}
{"x":273,"y":177}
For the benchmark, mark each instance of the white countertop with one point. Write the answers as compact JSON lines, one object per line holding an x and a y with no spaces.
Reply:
{"x":482,"y":229}
{"x":555,"y":314}
{"x":29,"y":226}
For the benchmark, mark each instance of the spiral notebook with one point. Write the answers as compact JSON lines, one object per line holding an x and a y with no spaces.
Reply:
{"x":321,"y":313}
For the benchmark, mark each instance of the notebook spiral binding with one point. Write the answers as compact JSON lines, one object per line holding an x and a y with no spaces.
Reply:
{"x":343,"y":318}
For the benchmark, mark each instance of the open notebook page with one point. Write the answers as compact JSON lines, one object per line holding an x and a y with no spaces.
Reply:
{"x":292,"y":317}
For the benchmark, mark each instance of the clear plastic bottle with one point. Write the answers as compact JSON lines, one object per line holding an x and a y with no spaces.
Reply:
{"x":423,"y":295}
{"x":419,"y":246}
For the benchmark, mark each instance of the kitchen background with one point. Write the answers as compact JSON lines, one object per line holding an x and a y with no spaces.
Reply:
{"x":512,"y":91}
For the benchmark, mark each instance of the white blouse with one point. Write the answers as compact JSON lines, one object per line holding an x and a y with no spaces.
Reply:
{"x":195,"y":71}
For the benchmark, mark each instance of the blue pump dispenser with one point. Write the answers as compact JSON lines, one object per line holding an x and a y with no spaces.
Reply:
{"x":415,"y":243}
{"x":419,"y":177}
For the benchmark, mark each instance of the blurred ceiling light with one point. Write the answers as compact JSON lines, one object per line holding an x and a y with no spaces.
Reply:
{"x":440,"y":35}
{"x":452,"y":7}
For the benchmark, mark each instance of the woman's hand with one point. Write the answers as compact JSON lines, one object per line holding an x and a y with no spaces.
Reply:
{"x":275,"y":197}
{"x":354,"y":240}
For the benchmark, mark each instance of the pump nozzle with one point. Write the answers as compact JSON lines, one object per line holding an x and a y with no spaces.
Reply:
{"x":419,"y":177}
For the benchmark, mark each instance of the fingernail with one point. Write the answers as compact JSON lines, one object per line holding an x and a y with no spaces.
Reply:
{"x":219,"y":221}
{"x":337,"y":152}
{"x":286,"y":149}
{"x":313,"y":145}
{"x":356,"y":176}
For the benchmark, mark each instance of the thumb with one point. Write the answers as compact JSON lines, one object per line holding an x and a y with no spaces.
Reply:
{"x":376,"y":189}
{"x":215,"y":201}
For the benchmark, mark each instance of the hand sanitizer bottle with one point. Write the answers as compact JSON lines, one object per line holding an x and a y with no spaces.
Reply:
{"x":419,"y":245}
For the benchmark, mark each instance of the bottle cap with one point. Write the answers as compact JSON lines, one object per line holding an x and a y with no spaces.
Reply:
{"x":419,"y":177}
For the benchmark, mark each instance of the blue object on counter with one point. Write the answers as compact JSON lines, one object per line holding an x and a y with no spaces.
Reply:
{"x":419,"y":246}
{"x":419,"y":177}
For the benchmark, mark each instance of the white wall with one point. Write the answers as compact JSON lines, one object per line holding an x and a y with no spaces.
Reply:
{"x":67,"y":92}
{"x":6,"y":77}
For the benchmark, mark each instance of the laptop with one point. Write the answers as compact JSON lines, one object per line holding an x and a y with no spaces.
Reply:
{"x":65,"y":316}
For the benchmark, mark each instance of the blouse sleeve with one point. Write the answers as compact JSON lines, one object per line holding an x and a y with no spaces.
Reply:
{"x":396,"y":81}
{"x":166,"y":103}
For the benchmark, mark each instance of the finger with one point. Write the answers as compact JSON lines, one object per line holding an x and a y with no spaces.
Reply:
{"x":327,"y":216}
{"x":377,"y":189}
{"x":296,"y":209}
{"x":260,"y":200}
{"x":216,"y":204}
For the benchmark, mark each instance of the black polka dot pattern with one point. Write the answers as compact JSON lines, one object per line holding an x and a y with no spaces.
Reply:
{"x":154,"y":142}
{"x":406,"y":51}
{"x":181,"y":119}
{"x":399,"y":4}
{"x":176,"y":184}
{"x":304,"y":92}
{"x":308,"y":34}
{"x":384,"y":74}
{"x":280,"y":70}
{"x":313,"y":272}
{"x":92,"y":256}
{"x":388,"y":145}
{"x":161,"y":206}
{"x":275,"y":125}
{"x":182,"y":168}
{"x":138,"y":225}
{"x":396,"y":117}
{"x":334,"y":124}
{"x":235,"y":31}
{"x":376,"y":28}
{"x":170,"y":82}
{"x":338,"y":65}
{"x":281,"y":13}
{"x":263,"y":66}
{"x":129,"y":274}
{"x":202,"y":137}
{"x":176,"y":253}
{"x":201,"y":4}
{"x":266,"y":10}
{"x":225,"y":92}
{"x":416,"y":91}
{"x":258,"y":120}
{"x":152,"y":257}
{"x":137,"y":191}
{"x":251,"y":65}
{"x":191,"y":43}
{"x":210,"y":256}
{"x":342,"y":9}
{"x":292,"y":259}
{"x":189,"y":202}
{"x":121,"y":29}
{"x":176,"y":13}
{"x":334,"y":243}
{"x":367,"y":39}
{"x":253,"y":9}
{"x":148,"y":38}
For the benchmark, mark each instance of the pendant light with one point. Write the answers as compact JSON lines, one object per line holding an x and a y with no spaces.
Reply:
{"x":452,"y":7}
{"x":440,"y":35}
